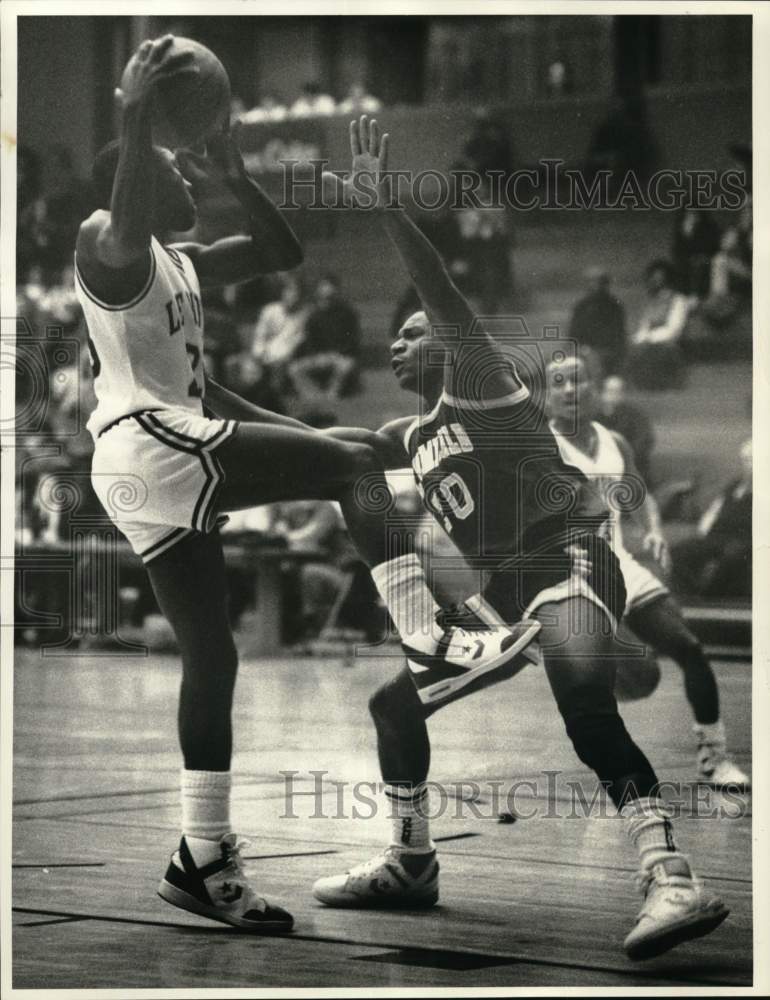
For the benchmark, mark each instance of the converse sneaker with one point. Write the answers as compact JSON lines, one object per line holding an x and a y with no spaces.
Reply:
{"x":220,"y":890}
{"x":472,"y":654}
{"x":676,"y":908}
{"x":393,"y":879}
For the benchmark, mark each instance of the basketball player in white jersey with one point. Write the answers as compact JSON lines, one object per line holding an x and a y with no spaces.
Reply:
{"x":165,"y":470}
{"x":486,"y":464}
{"x":652,"y":614}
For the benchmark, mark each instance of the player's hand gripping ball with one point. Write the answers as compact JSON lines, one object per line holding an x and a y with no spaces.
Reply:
{"x":191,"y":92}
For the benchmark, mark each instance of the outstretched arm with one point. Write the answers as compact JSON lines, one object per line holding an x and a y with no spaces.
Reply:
{"x":451,"y":317}
{"x":270,"y":246}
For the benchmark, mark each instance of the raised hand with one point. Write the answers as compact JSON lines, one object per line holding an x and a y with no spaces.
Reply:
{"x":366,"y":185}
{"x":153,"y":61}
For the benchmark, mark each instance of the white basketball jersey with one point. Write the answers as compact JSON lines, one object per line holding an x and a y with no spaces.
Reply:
{"x":147,"y":354}
{"x":605,"y":469}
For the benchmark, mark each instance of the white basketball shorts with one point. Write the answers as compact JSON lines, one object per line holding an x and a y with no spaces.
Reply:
{"x":642,"y":586}
{"x":157,"y":476}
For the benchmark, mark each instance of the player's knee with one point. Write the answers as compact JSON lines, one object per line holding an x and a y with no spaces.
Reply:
{"x":395,"y":697}
{"x":595,"y":735}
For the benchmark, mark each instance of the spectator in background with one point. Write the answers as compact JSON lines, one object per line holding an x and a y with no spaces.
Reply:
{"x":717,"y":562}
{"x":617,"y":413}
{"x":559,"y":79}
{"x":312,"y":102}
{"x":485,"y":246}
{"x":222,"y":338}
{"x":359,"y":102}
{"x":311,"y":589}
{"x":696,"y":240}
{"x":655,"y":356}
{"x":325,"y":366}
{"x":599,"y":321}
{"x":730,"y":289}
{"x":280,"y":329}
{"x":49,"y":222}
{"x":488,"y":147}
{"x":245,"y":376}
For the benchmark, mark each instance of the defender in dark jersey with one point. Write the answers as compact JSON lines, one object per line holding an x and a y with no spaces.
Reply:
{"x":489,"y":470}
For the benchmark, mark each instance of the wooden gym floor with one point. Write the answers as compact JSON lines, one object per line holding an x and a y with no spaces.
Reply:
{"x":541,"y":901}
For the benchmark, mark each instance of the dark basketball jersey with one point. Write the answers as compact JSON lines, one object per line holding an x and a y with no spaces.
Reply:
{"x":491,"y":473}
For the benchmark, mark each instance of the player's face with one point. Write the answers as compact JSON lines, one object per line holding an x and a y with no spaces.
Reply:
{"x":571,"y":393}
{"x":175,"y":206}
{"x":409,"y":356}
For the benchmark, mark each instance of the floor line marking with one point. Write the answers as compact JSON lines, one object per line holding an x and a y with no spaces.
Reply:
{"x":513,"y":858}
{"x":427,"y":949}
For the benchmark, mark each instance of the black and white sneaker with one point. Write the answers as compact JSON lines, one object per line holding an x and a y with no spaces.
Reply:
{"x":474,"y":652}
{"x":220,"y":890}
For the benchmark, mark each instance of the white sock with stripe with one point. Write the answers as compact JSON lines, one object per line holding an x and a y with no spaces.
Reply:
{"x":205,"y":812}
{"x":401,"y":584}
{"x":649,"y":827}
{"x":408,"y":811}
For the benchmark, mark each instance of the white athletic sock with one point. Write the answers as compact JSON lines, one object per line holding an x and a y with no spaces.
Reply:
{"x":205,"y":812}
{"x":408,"y":810}
{"x":402,"y":586}
{"x":649,"y":827}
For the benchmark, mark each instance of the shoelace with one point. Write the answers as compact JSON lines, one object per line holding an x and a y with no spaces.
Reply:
{"x":659,"y":876}
{"x":235,"y":861}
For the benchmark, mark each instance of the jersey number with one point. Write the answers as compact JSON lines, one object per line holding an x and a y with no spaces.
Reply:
{"x":194,"y":389}
{"x":456,"y":496}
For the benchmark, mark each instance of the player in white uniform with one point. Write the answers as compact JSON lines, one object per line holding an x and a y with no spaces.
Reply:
{"x":651,"y":612}
{"x":166,"y":470}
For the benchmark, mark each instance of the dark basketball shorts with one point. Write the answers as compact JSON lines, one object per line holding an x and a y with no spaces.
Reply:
{"x":585,"y":567}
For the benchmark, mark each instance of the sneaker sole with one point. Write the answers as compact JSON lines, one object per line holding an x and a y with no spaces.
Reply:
{"x":184,"y":901}
{"x":380,"y":902}
{"x":687,"y":930}
{"x":437,"y":692}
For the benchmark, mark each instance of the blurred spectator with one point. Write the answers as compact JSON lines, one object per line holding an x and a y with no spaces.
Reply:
{"x":485,"y":247}
{"x":358,"y":102}
{"x":280,"y":328}
{"x":599,"y":321}
{"x":222,"y":338}
{"x":622,"y":142}
{"x":655,"y":357}
{"x":731,"y":270}
{"x":489,"y":145}
{"x":311,"y":588}
{"x":325,"y":365}
{"x":696,"y":240}
{"x":48,"y":223}
{"x":271,"y":108}
{"x":717,"y":562}
{"x":241,"y":373}
{"x":558,"y":79}
{"x":313,"y":102}
{"x":617,"y":413}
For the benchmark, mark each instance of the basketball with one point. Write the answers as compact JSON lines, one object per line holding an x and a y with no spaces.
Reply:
{"x":191,"y":107}
{"x":636,"y":677}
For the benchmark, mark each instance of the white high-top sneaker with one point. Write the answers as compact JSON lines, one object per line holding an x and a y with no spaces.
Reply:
{"x":392,"y":879}
{"x":714,"y":765}
{"x":677,"y":907}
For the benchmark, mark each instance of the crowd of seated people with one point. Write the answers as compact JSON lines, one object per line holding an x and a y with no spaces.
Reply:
{"x":312,"y":102}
